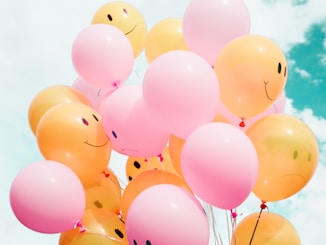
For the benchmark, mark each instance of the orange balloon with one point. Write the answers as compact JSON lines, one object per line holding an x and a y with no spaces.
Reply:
{"x":175,"y":148}
{"x":102,"y":228}
{"x":137,"y":165}
{"x":272,"y":229}
{"x":106,"y":194}
{"x":252,"y":73}
{"x":127,"y":18}
{"x":287,"y":156}
{"x":73,"y":134}
{"x":49,"y":97}
{"x":164,"y":36}
{"x":147,"y":179}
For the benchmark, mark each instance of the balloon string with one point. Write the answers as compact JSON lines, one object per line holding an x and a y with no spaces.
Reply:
{"x":234,"y":216}
{"x":262,"y":207}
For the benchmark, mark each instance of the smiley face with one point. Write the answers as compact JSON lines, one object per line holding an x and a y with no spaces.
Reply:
{"x":288,"y":155}
{"x":126,"y":18}
{"x":73,"y":134}
{"x":252,"y":72}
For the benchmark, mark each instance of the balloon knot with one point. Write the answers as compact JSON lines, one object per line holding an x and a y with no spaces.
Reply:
{"x":107,"y":175}
{"x":263,"y":205}
{"x":79,"y":224}
{"x":160,"y":157}
{"x":116,"y":84}
{"x":233,"y":214}
{"x":242,"y":123}
{"x":146,"y":160}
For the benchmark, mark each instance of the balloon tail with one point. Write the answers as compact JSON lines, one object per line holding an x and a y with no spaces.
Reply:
{"x":262,"y":207}
{"x":160,"y":157}
{"x":79,"y":224}
{"x":242,"y":123}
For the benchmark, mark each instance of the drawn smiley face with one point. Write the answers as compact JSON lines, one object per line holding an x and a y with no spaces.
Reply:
{"x":252,"y":73}
{"x":73,"y":134}
{"x":126,"y":18}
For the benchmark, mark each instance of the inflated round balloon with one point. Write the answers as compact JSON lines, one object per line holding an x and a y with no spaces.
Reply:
{"x":130,"y":127}
{"x":220,"y":164}
{"x":166,"y":214}
{"x":164,"y":36}
{"x":272,"y":229}
{"x":101,"y":228}
{"x":137,"y":165}
{"x":180,"y":91}
{"x":288,"y":156}
{"x":47,"y":197}
{"x":92,"y":93}
{"x":252,"y":71}
{"x":209,"y":25}
{"x":105,"y":195}
{"x":127,"y":18}
{"x":145,"y":180}
{"x":102,"y":55}
{"x":73,"y":133}
{"x":49,"y":97}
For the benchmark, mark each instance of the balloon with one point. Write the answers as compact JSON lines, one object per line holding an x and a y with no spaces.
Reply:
{"x":128,"y":19}
{"x":105,"y":195}
{"x":102,"y":55}
{"x":137,"y":165}
{"x":145,"y":180}
{"x":47,"y":197}
{"x":102,"y":228}
{"x":175,"y":149}
{"x":73,"y":134}
{"x":131,"y":129}
{"x":272,"y":229}
{"x":252,"y":72}
{"x":164,"y":36}
{"x":209,"y":25}
{"x":166,"y":214}
{"x":93,"y":94}
{"x":220,"y":164}
{"x":288,"y":156}
{"x":181,"y":91}
{"x":49,"y":97}
{"x":244,"y":123}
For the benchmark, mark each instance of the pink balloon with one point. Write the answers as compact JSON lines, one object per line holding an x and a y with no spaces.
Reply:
{"x":220,"y":164}
{"x":102,"y":55}
{"x":48,"y":197}
{"x":244,"y":123}
{"x":166,"y":214}
{"x":208,"y":25}
{"x":181,"y":91}
{"x":131,"y":129}
{"x":93,"y":94}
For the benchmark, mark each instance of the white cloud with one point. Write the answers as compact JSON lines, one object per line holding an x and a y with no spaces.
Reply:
{"x":302,"y":73}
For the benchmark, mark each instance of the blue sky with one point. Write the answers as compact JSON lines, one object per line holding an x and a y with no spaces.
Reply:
{"x":35,"y":46}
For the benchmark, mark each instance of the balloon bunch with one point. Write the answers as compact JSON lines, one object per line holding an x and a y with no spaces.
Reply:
{"x":206,"y":125}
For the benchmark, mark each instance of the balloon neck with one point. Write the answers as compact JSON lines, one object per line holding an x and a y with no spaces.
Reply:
{"x":79,"y":224}
{"x":233,"y":213}
{"x":242,"y":123}
{"x":160,"y":157}
{"x":263,"y":205}
{"x":106,"y":175}
{"x":116,"y":84}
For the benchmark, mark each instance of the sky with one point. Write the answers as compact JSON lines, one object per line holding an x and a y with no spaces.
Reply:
{"x":35,"y":52}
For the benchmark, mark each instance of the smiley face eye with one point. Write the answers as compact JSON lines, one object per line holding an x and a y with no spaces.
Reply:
{"x":279,"y":68}
{"x":114,"y":134}
{"x":148,"y":242}
{"x":95,"y":117}
{"x":125,"y":11}
{"x":85,"y":121}
{"x":119,"y":233}
{"x":109,"y":17}
{"x":285,"y":71}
